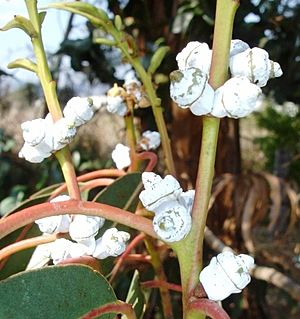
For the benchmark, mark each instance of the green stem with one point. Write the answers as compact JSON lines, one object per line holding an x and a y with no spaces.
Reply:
{"x":154,"y":100}
{"x":49,"y":89}
{"x":190,"y":250}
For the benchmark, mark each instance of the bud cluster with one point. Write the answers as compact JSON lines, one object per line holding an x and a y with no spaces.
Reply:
{"x":250,"y":70}
{"x":172,"y":207}
{"x":83,"y":231}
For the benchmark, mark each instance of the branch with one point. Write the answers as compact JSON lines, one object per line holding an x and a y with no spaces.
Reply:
{"x":28,"y":215}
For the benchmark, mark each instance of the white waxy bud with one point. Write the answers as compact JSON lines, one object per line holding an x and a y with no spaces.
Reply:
{"x":189,"y":89}
{"x":195,"y":55}
{"x":226,"y":274}
{"x":133,"y":88}
{"x":158,"y":190}
{"x":150,"y":140}
{"x":238,"y":46}
{"x":98,"y":102}
{"x":112,"y":243}
{"x":121,"y":156}
{"x":275,"y":69}
{"x":33,"y":131}
{"x":32,"y":154}
{"x":52,"y":224}
{"x":63,"y":249}
{"x":115,"y":104}
{"x":255,"y":65}
{"x":78,"y":110}
{"x":187,"y":199}
{"x":83,"y":228}
{"x":64,"y":131}
{"x":236,"y":98}
{"x":172,"y":221}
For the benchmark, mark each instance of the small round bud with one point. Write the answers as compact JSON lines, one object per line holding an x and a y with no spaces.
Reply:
{"x":33,"y":131}
{"x":238,"y":46}
{"x":98,"y":102}
{"x":112,"y":243}
{"x":226,"y":274}
{"x":236,"y":98}
{"x":115,"y":104}
{"x":172,"y":221}
{"x":158,"y":190}
{"x":64,"y":131}
{"x":150,"y":140}
{"x":195,"y":55}
{"x":121,"y":156}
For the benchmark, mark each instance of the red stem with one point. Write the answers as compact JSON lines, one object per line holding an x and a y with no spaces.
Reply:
{"x":99,"y":182}
{"x":209,"y":308}
{"x":29,"y":215}
{"x":161,"y":284}
{"x":117,"y":307}
{"x":88,"y":176}
{"x":152,"y":157}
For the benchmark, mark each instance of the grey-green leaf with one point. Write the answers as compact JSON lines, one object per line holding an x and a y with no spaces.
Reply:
{"x":42,"y":16}
{"x":95,"y":15}
{"x":20,"y":23}
{"x":135,"y":296}
{"x":157,"y":58}
{"x":23,"y":64}
{"x":66,"y":292}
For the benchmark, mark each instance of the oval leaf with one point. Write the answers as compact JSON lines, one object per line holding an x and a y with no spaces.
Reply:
{"x":66,"y":292}
{"x":23,"y":64}
{"x":157,"y":58}
{"x":20,"y":23}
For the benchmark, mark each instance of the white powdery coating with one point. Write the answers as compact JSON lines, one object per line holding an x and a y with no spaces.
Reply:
{"x":64,"y":131}
{"x":58,"y":223}
{"x":158,"y":190}
{"x":237,"y":46}
{"x":112,"y":243}
{"x":226,"y":274}
{"x":83,"y":228}
{"x":115,"y":104}
{"x":172,"y":221}
{"x":98,"y":102}
{"x":78,"y":110}
{"x":255,"y":65}
{"x":32,"y":154}
{"x":236,"y":98}
{"x":190,"y":89}
{"x":121,"y":156}
{"x":34,"y":131}
{"x":196,"y":55}
{"x":150,"y":141}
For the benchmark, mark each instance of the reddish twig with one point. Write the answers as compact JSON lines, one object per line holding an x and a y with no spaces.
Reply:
{"x":120,"y":260}
{"x":28,"y":243}
{"x":99,"y":182}
{"x":161,"y":284}
{"x":88,"y":176}
{"x":28,"y":215}
{"x":152,"y":157}
{"x":116,"y":307}
{"x":138,"y":257}
{"x":209,"y":308}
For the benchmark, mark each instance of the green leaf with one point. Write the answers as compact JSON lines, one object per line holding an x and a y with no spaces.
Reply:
{"x":23,"y":64}
{"x":66,"y":292}
{"x":104,"y":41}
{"x":118,"y":22}
{"x":123,"y":193}
{"x":136,"y":297}
{"x":20,"y":23}
{"x":19,"y":261}
{"x":93,"y":14}
{"x":157,"y":58}
{"x":42,"y":16}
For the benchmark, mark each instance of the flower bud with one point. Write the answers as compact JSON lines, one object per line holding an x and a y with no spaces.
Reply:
{"x":33,"y":131}
{"x":195,"y":55}
{"x":32,"y":154}
{"x":255,"y":65}
{"x":64,"y":131}
{"x":226,"y":274}
{"x":158,"y":190}
{"x":150,"y":140}
{"x":98,"y":102}
{"x":115,"y":104}
{"x":238,"y":46}
{"x":112,"y":243}
{"x":83,"y":228}
{"x":78,"y":110}
{"x":172,"y":221}
{"x":189,"y":89}
{"x":121,"y":156}
{"x":236,"y":98}
{"x":52,"y":224}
